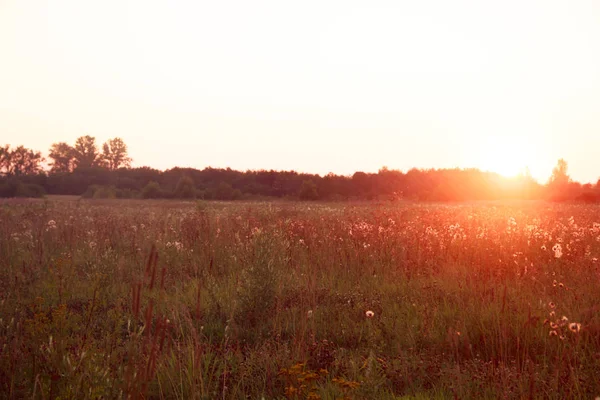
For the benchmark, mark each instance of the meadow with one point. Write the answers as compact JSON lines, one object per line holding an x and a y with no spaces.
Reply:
{"x":216,"y":300}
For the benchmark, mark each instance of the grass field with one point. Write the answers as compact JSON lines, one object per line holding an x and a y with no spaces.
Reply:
{"x":186,"y":300}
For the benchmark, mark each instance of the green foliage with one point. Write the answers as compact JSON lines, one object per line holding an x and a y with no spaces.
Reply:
{"x":257,"y":290}
{"x":308,"y":191}
{"x":90,"y":191}
{"x":185,"y":188}
{"x":105,"y":192}
{"x":114,"y":154}
{"x":20,"y":161}
{"x":152,"y":191}
{"x":30,"y":190}
{"x":85,"y":153}
{"x":15,"y":188}
{"x":224,"y":192}
{"x":75,"y":168}
{"x":62,"y":156}
{"x":134,"y":299}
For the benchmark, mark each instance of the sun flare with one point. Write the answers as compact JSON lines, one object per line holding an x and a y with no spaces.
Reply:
{"x":507,"y":156}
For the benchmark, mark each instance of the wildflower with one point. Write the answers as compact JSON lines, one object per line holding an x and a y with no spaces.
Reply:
{"x":178,"y":245}
{"x":370,"y":314}
{"x":557,"y":249}
{"x":553,"y":333}
{"x":575,"y":327}
{"x":51,"y":224}
{"x":551,"y":304}
{"x":564,"y":319}
{"x":552,"y":313}
{"x":543,"y":247}
{"x":561,"y":285}
{"x":553,"y":325}
{"x":309,"y":313}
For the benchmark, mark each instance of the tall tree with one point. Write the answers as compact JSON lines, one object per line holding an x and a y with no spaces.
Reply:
{"x":559,"y":176}
{"x":559,"y":180}
{"x":86,"y":153}
{"x":114,"y":154}
{"x":20,"y":161}
{"x":5,"y":159}
{"x":63,"y":157}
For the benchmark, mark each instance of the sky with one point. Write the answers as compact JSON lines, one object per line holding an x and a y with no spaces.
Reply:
{"x":314,"y":86}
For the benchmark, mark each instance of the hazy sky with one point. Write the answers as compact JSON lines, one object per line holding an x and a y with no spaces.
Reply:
{"x":314,"y":86}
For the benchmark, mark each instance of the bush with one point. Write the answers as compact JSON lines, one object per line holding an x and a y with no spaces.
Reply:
{"x":8,"y":188}
{"x":90,"y":191}
{"x":30,"y":190}
{"x":588,"y":197}
{"x":224,"y":191}
{"x":105,"y":192}
{"x":152,"y":191}
{"x":127,"y":194}
{"x":185,"y":188}
{"x":14,"y":188}
{"x":308,"y":191}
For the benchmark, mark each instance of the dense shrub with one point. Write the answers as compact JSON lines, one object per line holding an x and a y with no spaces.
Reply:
{"x":152,"y":191}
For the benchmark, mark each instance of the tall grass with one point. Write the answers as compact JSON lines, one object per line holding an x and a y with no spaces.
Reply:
{"x":132,"y":299}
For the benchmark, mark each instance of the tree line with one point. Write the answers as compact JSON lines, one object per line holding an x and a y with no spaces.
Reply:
{"x":87,"y":169}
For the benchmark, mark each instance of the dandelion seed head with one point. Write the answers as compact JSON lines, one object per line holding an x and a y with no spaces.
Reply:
{"x":557,"y":249}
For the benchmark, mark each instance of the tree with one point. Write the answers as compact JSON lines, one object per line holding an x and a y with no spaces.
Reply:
{"x":63,"y":157}
{"x":559,"y":173}
{"x":185,"y":188}
{"x":224,"y":191}
{"x":5,"y":159}
{"x":20,"y":161}
{"x":86,"y":153}
{"x":114,"y":154}
{"x":308,"y":190}
{"x":152,"y":190}
{"x":559,"y":178}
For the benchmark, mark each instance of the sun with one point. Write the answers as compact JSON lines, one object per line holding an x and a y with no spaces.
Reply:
{"x":506,"y":156}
